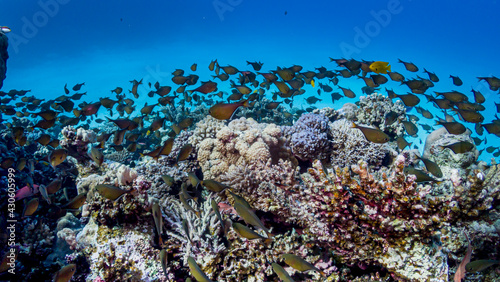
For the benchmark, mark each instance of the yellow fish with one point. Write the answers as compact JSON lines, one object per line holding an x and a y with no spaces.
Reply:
{"x":313,"y":83}
{"x":380,"y":67}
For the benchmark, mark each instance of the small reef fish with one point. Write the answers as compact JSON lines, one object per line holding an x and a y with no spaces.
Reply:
{"x":246,"y":232}
{"x":186,"y":205}
{"x":45,"y":195}
{"x":57,"y":156}
{"x":213,"y":185}
{"x":76,"y":202}
{"x":215,"y":207}
{"x":250,"y":218}
{"x":30,"y":207}
{"x":196,"y":271}
{"x":224,"y":111}
{"x":65,"y":274}
{"x":169,"y":180}
{"x":456,"y":80}
{"x":431,"y":167}
{"x":402,"y":143}
{"x":421,"y":176}
{"x":282,"y":274}
{"x":110,"y":192}
{"x":380,"y":67}
{"x":452,"y":127}
{"x":158,"y":218}
{"x":184,"y":152}
{"x":299,"y":263}
{"x":96,"y":155}
{"x":410,"y":100}
{"x":459,"y":147}
{"x":164,"y":261}
{"x":409,"y":66}
{"x":432,"y":76}
{"x":480,"y":265}
{"x":5,"y":29}
{"x":372,"y":134}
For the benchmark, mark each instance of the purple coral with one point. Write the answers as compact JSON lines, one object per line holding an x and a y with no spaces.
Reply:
{"x":309,"y":137}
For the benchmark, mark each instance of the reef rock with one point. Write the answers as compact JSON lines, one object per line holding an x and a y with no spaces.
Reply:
{"x":3,"y":57}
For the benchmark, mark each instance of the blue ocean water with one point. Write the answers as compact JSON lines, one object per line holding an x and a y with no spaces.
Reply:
{"x":109,"y":43}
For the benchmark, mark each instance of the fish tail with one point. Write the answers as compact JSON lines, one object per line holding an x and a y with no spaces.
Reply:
{"x":388,"y":67}
{"x":391,"y":95}
{"x":246,"y":104}
{"x":354,"y":125}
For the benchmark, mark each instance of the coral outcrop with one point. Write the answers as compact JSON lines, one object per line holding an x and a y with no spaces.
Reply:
{"x":242,"y":141}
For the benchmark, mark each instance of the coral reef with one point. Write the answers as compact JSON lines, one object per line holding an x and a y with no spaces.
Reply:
{"x":120,"y":254}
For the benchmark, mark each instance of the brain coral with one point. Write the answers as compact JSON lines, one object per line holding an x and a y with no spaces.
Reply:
{"x":242,"y":141}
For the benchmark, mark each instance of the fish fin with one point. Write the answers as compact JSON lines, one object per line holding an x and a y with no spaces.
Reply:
{"x":354,"y":125}
{"x":388,"y":67}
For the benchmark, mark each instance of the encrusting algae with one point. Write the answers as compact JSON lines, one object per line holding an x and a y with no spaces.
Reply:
{"x":213,"y":185}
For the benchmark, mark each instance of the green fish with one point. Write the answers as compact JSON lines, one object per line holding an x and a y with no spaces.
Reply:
{"x":239,"y":199}
{"x":213,"y":185}
{"x":250,"y":218}
{"x":164,"y":261}
{"x":186,"y":205}
{"x":282,"y":274}
{"x":111,"y":192}
{"x":299,"y":263}
{"x":219,"y":216}
{"x":246,"y":232}
{"x":480,"y":265}
{"x":186,"y":229}
{"x":169,"y":180}
{"x":196,"y":271}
